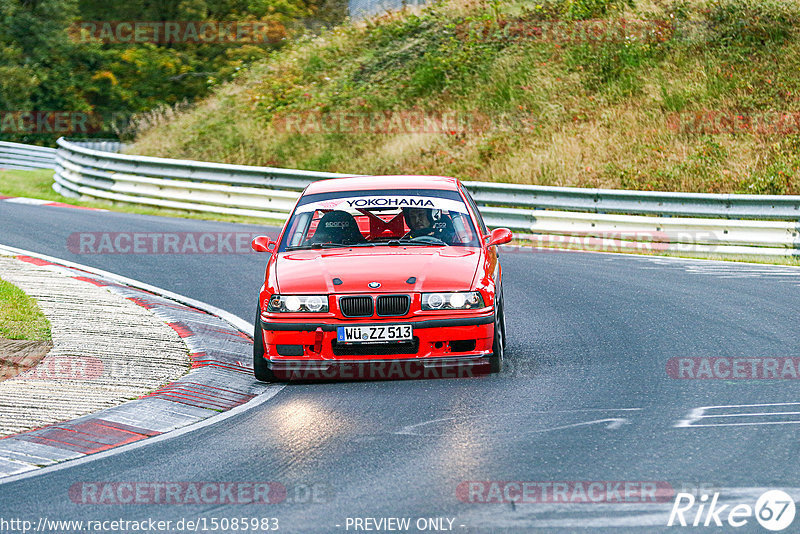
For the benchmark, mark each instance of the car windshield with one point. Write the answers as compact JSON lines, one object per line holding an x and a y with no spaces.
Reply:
{"x":432,"y":218}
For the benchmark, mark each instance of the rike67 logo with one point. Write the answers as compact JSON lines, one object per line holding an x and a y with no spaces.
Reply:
{"x":774,"y":510}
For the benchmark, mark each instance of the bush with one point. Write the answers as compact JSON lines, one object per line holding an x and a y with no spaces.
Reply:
{"x":753,"y":22}
{"x":773,"y":180}
{"x":591,"y":9}
{"x":579,"y":9}
{"x":777,"y":177}
{"x":613,"y":67}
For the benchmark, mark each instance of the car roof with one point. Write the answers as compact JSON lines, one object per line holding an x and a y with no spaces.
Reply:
{"x":360,"y":183}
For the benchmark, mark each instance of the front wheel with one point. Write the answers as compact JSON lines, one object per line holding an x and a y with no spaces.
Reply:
{"x":499,"y":344}
{"x":261,"y":370}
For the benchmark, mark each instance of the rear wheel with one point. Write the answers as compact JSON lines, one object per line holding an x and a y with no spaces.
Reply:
{"x":499,"y":344}
{"x":261,"y":370}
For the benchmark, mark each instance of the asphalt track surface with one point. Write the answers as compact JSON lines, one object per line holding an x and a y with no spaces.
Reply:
{"x":585,"y":397}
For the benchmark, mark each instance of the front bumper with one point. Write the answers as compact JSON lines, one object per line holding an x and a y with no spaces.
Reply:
{"x":444,"y":342}
{"x":450,"y":322}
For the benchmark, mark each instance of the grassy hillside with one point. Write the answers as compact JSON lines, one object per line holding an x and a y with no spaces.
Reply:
{"x":532,"y":101}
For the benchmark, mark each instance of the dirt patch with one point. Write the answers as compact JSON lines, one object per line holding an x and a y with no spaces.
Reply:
{"x":18,"y":356}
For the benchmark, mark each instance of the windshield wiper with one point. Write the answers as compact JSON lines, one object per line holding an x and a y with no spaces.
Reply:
{"x":403,"y":242}
{"x":317,"y":246}
{"x":393,"y":243}
{"x":332,"y":245}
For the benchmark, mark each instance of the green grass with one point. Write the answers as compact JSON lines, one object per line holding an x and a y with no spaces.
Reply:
{"x":38,"y":184}
{"x":31,"y":184}
{"x":20,"y":316}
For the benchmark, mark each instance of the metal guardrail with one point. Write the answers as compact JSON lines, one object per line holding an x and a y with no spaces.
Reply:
{"x":103,"y":145}
{"x":30,"y":157}
{"x":180,"y":184}
{"x":586,"y":218}
{"x":26,"y":157}
{"x":779,"y":207}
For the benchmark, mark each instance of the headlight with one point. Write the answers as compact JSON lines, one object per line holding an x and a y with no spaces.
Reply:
{"x":298,"y":303}
{"x":452,"y":301}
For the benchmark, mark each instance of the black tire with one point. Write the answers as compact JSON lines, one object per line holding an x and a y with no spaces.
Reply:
{"x":261,"y":370}
{"x":503,"y":317}
{"x":499,"y":344}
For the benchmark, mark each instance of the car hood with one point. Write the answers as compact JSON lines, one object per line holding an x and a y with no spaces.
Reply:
{"x":435,"y":269}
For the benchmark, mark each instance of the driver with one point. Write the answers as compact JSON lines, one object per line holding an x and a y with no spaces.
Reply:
{"x":424,"y":222}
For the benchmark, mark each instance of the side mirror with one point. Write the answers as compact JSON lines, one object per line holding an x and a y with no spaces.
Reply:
{"x":262,"y":244}
{"x":499,"y":236}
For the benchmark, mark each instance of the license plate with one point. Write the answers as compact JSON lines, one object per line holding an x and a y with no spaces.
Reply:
{"x":374,"y":333}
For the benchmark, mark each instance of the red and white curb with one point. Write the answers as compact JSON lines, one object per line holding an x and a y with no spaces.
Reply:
{"x":41,"y":202}
{"x":221,"y":380}
{"x":106,"y":350}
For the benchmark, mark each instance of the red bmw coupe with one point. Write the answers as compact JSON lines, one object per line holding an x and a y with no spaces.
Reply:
{"x":376,"y":270}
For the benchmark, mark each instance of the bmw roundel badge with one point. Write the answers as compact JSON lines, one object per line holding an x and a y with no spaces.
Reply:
{"x":374,"y":285}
